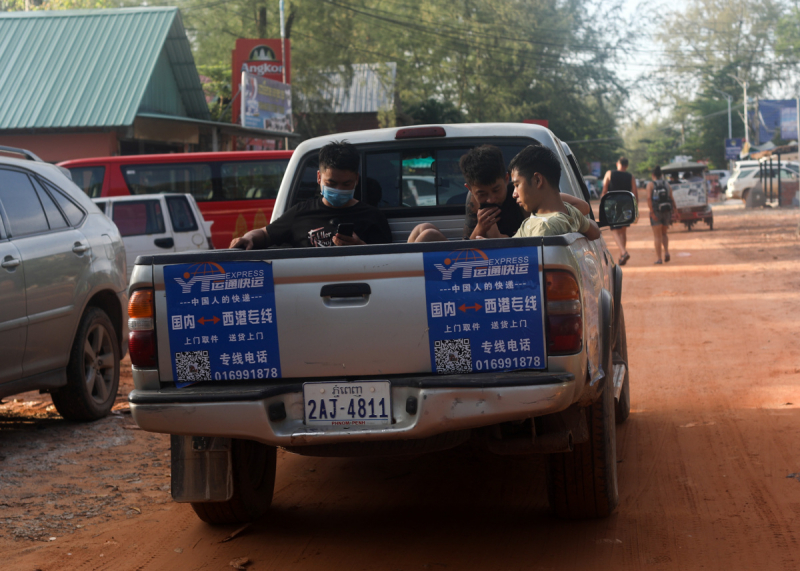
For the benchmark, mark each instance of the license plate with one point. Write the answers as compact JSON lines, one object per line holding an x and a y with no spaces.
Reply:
{"x":363,"y":404}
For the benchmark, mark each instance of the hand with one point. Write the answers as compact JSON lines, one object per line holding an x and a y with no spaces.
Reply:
{"x":354,"y":240}
{"x":487,"y":222}
{"x":241,"y":243}
{"x":675,"y":216}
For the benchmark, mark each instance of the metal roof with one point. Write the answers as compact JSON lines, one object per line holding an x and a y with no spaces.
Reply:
{"x":371,"y":90}
{"x":91,"y":68}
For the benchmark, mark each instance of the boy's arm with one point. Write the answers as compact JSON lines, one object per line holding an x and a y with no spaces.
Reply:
{"x":581,"y":205}
{"x":593,"y":232}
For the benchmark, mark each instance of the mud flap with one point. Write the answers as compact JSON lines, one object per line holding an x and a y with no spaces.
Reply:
{"x":201,"y":469}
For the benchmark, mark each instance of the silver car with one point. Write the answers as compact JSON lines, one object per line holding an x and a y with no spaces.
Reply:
{"x":63,"y":304}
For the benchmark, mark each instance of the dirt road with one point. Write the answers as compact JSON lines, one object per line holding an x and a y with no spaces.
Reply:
{"x":709,"y":472}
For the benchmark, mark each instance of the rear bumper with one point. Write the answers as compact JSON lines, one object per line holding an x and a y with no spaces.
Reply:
{"x":444,"y":404}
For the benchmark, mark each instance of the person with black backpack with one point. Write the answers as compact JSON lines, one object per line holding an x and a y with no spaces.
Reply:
{"x":662,"y":211}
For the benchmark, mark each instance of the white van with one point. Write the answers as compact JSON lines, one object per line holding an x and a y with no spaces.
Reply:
{"x":157,"y":224}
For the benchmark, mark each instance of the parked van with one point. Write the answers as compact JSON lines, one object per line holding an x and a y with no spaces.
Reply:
{"x":157,"y":224}
{"x":234,"y":190}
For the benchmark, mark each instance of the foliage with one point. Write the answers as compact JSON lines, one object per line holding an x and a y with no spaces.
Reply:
{"x":465,"y":60}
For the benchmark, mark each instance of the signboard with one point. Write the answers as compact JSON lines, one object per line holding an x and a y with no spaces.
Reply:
{"x":733,"y":148}
{"x":595,"y":169}
{"x":263,"y":58}
{"x":222,"y":322}
{"x":267,"y":103}
{"x":689,"y":194}
{"x":484,"y":310}
{"x":789,"y":123}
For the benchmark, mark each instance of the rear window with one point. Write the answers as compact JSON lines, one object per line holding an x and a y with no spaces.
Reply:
{"x":212,"y":181}
{"x":745,"y":173}
{"x":89,"y":179}
{"x":137,"y":218}
{"x":413,"y":178}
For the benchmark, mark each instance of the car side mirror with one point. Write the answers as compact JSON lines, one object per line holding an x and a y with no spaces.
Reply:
{"x":617,"y":209}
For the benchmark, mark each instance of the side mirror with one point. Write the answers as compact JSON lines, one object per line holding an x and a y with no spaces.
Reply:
{"x":617,"y":209}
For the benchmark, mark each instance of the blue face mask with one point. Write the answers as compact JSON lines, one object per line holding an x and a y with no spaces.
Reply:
{"x":337,"y":198}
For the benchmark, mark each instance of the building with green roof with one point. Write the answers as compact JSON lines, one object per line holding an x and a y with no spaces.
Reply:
{"x":83,"y":83}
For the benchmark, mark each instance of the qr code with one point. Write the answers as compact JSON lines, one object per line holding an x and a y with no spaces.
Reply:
{"x":193,"y":366}
{"x":453,"y":356}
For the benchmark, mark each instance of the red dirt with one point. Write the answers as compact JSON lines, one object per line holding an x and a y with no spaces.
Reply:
{"x":709,"y":475}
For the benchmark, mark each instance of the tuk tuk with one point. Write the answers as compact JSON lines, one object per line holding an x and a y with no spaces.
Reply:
{"x":690,"y":186}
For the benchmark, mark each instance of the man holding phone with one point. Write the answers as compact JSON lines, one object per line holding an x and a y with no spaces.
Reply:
{"x":335,"y":218}
{"x":491,"y":209}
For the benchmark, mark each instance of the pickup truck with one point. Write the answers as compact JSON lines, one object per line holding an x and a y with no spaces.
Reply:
{"x":516,"y":344}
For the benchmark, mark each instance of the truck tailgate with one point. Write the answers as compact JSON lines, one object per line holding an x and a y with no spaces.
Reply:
{"x":391,"y":312}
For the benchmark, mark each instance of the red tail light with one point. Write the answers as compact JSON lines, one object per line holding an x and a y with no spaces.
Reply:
{"x":564,"y":313}
{"x":142,"y":348}
{"x":420,"y":132}
{"x":142,"y":337}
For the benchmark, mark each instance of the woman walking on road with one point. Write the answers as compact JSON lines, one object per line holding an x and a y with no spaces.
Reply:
{"x":620,"y":179}
{"x":662,"y":210}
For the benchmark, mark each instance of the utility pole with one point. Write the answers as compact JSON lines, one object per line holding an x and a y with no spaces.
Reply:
{"x":743,"y":84}
{"x":262,"y":22}
{"x":729,"y":97}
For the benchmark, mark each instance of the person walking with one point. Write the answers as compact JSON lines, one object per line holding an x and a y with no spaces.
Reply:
{"x":662,"y":211}
{"x":620,"y":179}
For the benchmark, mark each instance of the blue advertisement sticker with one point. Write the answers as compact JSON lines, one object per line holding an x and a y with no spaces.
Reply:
{"x":222,"y":322}
{"x":484,"y":310}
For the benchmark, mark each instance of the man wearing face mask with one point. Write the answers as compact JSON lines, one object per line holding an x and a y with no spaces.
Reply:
{"x":326,"y":220}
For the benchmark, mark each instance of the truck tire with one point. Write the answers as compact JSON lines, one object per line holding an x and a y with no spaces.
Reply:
{"x":582,"y":484}
{"x":92,"y":371}
{"x":622,"y":405}
{"x":253,"y":467}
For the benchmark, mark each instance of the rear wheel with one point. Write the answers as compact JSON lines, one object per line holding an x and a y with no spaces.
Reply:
{"x":92,"y":371}
{"x":582,"y":484}
{"x":253,"y":465}
{"x":745,"y":192}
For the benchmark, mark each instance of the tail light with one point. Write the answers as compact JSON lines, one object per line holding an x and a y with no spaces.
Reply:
{"x":564,"y":313}
{"x":142,"y":336}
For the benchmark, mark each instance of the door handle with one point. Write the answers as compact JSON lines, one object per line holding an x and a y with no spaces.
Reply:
{"x":10,"y":263}
{"x":345,"y":290}
{"x":164,"y":242}
{"x":79,"y":248}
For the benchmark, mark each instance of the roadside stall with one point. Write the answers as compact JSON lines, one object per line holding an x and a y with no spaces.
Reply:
{"x":690,"y":188}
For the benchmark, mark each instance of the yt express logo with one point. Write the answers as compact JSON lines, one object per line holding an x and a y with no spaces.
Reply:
{"x":467,"y":260}
{"x":204,"y":274}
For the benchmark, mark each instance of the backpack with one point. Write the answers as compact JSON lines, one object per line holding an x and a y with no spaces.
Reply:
{"x":661,"y":199}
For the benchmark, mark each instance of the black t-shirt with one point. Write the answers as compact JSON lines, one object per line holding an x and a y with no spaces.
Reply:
{"x":511,"y":215}
{"x":312,"y":223}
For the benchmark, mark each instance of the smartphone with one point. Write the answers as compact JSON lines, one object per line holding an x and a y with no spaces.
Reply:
{"x":345,"y":229}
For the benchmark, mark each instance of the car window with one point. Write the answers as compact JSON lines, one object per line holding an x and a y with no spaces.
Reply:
{"x":192,"y":178}
{"x":89,"y":179}
{"x":252,"y":179}
{"x":181,"y":214}
{"x":72,"y":211}
{"x":24,"y":212}
{"x":744,"y":173}
{"x":420,"y":177}
{"x":101,"y":206}
{"x":54,"y":216}
{"x":138,"y":218}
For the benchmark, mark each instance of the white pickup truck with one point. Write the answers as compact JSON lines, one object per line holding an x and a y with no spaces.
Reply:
{"x":518,"y":344}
